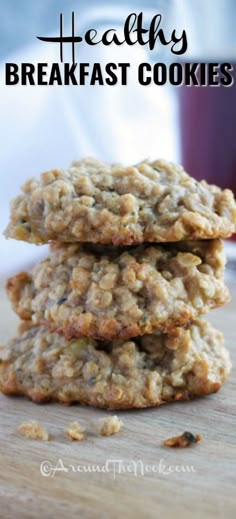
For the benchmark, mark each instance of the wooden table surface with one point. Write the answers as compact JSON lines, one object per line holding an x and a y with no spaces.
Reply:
{"x":127,"y":475}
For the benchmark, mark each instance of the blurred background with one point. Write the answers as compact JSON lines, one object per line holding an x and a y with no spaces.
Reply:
{"x":48,"y":127}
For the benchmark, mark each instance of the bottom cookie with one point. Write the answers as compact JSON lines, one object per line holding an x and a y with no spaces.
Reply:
{"x":142,"y":372}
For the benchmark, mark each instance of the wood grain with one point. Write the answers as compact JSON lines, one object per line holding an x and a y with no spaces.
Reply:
{"x":209,"y":491}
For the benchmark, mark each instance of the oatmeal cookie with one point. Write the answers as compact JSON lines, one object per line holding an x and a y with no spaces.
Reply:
{"x":107,"y":203}
{"x":108,"y":292}
{"x":141,"y":372}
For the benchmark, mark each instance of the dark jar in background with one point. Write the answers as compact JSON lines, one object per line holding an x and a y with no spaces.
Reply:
{"x":208,"y":132}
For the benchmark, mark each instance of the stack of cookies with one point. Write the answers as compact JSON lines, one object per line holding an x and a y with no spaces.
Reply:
{"x":112,"y":317}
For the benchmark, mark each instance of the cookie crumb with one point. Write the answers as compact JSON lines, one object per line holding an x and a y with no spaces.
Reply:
{"x":75,"y":431}
{"x":33,"y":431}
{"x":183,"y":440}
{"x":110,"y":425}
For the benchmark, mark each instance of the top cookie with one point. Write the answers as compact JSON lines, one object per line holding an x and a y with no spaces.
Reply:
{"x":107,"y":203}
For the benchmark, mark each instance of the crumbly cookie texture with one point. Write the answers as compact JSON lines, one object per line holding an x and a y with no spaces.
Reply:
{"x":142,"y":372}
{"x":106,"y":203}
{"x":33,"y":430}
{"x":183,"y":440}
{"x":110,"y":425}
{"x":108,"y":293}
{"x":75,"y":431}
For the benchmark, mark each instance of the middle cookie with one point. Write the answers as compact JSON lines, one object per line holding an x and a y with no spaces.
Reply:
{"x":112,"y":292}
